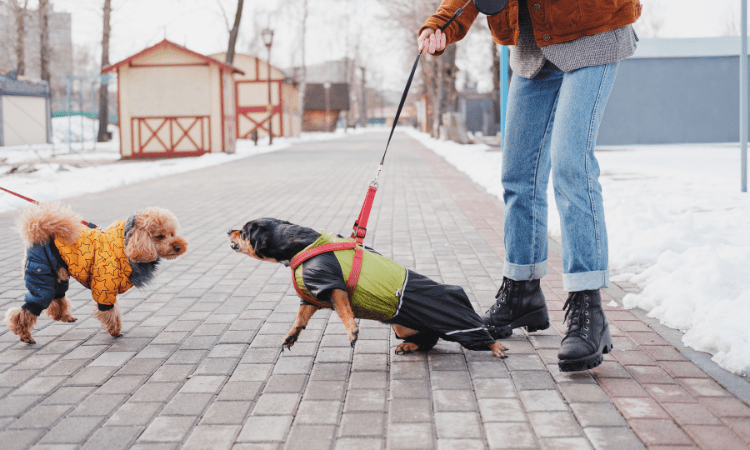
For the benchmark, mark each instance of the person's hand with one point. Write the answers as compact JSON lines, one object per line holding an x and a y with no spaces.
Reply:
{"x":431,"y":40}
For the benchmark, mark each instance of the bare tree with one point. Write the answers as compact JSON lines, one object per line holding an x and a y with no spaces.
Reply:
{"x":233,"y":33}
{"x":44,"y":52}
{"x":438,"y":73}
{"x":18,"y":8}
{"x":102,"y":135}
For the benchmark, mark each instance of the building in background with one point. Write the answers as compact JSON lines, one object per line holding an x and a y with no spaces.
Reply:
{"x":323,"y":106}
{"x":174,"y":102}
{"x":60,"y":42}
{"x":674,"y":91}
{"x":25,"y":117}
{"x":251,"y":99}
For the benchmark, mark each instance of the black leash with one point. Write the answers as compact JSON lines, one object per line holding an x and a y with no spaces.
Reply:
{"x":406,"y":90}
{"x":360,"y":225}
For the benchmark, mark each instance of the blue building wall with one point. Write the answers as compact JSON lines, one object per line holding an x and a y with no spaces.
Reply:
{"x":685,"y":98}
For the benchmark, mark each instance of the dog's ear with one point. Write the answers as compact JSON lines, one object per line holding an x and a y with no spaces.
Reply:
{"x":140,"y":248}
{"x":258,"y":235}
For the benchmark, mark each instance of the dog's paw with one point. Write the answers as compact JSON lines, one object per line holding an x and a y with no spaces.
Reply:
{"x":353,"y":338}
{"x":27,"y":339}
{"x":498,"y":351}
{"x":406,"y":347}
{"x":69,"y":319}
{"x":116,"y":334}
{"x":289,"y":341}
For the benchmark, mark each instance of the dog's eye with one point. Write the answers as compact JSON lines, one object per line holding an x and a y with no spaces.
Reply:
{"x":242,"y":235}
{"x":160,"y":237}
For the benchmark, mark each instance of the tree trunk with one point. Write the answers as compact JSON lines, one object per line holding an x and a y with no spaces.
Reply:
{"x":234,"y":32}
{"x":44,"y":40}
{"x":303,"y":81}
{"x":102,"y":135}
{"x":363,"y":100}
{"x":19,"y":12}
{"x":496,"y":80}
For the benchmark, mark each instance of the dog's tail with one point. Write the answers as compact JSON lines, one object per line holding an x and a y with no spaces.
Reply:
{"x":40,"y":223}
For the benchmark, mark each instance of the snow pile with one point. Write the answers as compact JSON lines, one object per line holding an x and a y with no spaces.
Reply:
{"x":678,"y":229}
{"x":75,"y":127}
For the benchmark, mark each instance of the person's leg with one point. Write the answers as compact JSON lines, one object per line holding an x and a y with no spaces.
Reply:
{"x":575,"y":173}
{"x":525,"y":172}
{"x":525,"y":176}
{"x":575,"y":176}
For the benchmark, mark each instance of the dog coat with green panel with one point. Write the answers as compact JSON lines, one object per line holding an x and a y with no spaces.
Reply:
{"x":378,"y":289}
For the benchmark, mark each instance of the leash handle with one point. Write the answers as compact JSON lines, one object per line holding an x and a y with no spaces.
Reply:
{"x":88,"y":224}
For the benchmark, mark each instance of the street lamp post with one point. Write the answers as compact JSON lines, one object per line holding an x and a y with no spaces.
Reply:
{"x":327,"y":86}
{"x":267,"y":35}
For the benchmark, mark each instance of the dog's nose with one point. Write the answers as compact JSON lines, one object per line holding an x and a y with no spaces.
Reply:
{"x":177,"y":248}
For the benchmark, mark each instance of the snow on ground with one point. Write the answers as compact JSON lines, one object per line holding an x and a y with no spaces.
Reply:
{"x":679,"y":229}
{"x":84,"y":171}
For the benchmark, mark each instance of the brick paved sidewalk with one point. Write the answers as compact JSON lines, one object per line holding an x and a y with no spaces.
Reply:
{"x":199,"y":364}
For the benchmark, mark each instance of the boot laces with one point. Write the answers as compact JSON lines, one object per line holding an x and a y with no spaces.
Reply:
{"x":575,"y":314}
{"x":502,"y":294}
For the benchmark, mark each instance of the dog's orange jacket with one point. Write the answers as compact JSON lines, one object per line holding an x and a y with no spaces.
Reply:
{"x":97,"y":260}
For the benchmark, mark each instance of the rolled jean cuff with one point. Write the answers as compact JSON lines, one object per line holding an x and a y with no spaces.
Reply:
{"x":525,"y":272}
{"x":585,"y":281}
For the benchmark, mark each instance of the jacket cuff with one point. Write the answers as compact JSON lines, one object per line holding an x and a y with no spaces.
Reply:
{"x":104,"y":307}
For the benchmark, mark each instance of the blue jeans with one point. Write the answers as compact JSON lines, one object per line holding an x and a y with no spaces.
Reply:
{"x":551,"y":126}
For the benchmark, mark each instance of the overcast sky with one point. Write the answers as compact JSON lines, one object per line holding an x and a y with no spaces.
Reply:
{"x":333,"y":27}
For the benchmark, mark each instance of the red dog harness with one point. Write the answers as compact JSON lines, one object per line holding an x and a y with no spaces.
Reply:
{"x":351,"y":283}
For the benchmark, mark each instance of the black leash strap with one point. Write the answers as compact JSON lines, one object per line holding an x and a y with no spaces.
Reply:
{"x":406,"y":91}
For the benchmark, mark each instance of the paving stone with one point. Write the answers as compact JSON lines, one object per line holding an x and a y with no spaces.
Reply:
{"x":19,"y":439}
{"x":67,"y":396}
{"x":324,"y":390}
{"x":187,"y":405}
{"x":265,"y":428}
{"x":310,"y":437}
{"x":208,"y":384}
{"x":111,"y":437}
{"x":613,"y":438}
{"x":41,"y":416}
{"x":276,"y":404}
{"x":155,"y":392}
{"x":168,"y":429}
{"x":231,"y":413}
{"x":134,"y":414}
{"x":598,"y":415}
{"x":501,"y":410}
{"x":510,"y":435}
{"x":286,"y":383}
{"x":454,"y":400}
{"x":543,"y":401}
{"x":72,"y":430}
{"x":409,"y":410}
{"x":457,"y":425}
{"x":365,"y":400}
{"x":318,"y":412}
{"x":409,"y":435}
{"x":212,"y":437}
{"x":362,"y":424}
{"x":347,"y":443}
{"x":240,"y":390}
{"x":99,"y":405}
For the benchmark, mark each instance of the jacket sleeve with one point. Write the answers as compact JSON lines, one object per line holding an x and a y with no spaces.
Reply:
{"x":39,"y":277}
{"x":458,"y":29}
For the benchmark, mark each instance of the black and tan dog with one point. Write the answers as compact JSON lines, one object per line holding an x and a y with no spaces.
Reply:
{"x":419,"y":309}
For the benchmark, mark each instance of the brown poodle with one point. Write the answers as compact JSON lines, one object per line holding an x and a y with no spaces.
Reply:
{"x":109,"y":262}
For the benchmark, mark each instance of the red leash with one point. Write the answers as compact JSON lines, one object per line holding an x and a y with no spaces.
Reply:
{"x":88,"y":224}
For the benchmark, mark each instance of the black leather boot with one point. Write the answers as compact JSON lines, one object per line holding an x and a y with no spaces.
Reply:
{"x":519,"y":304}
{"x":588,"y":336}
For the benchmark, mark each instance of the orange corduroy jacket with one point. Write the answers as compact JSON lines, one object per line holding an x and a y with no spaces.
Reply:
{"x":554,"y":21}
{"x":97,"y":260}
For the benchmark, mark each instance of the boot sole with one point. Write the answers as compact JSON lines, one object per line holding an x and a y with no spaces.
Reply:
{"x":535,"y":321}
{"x":589,"y":362}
